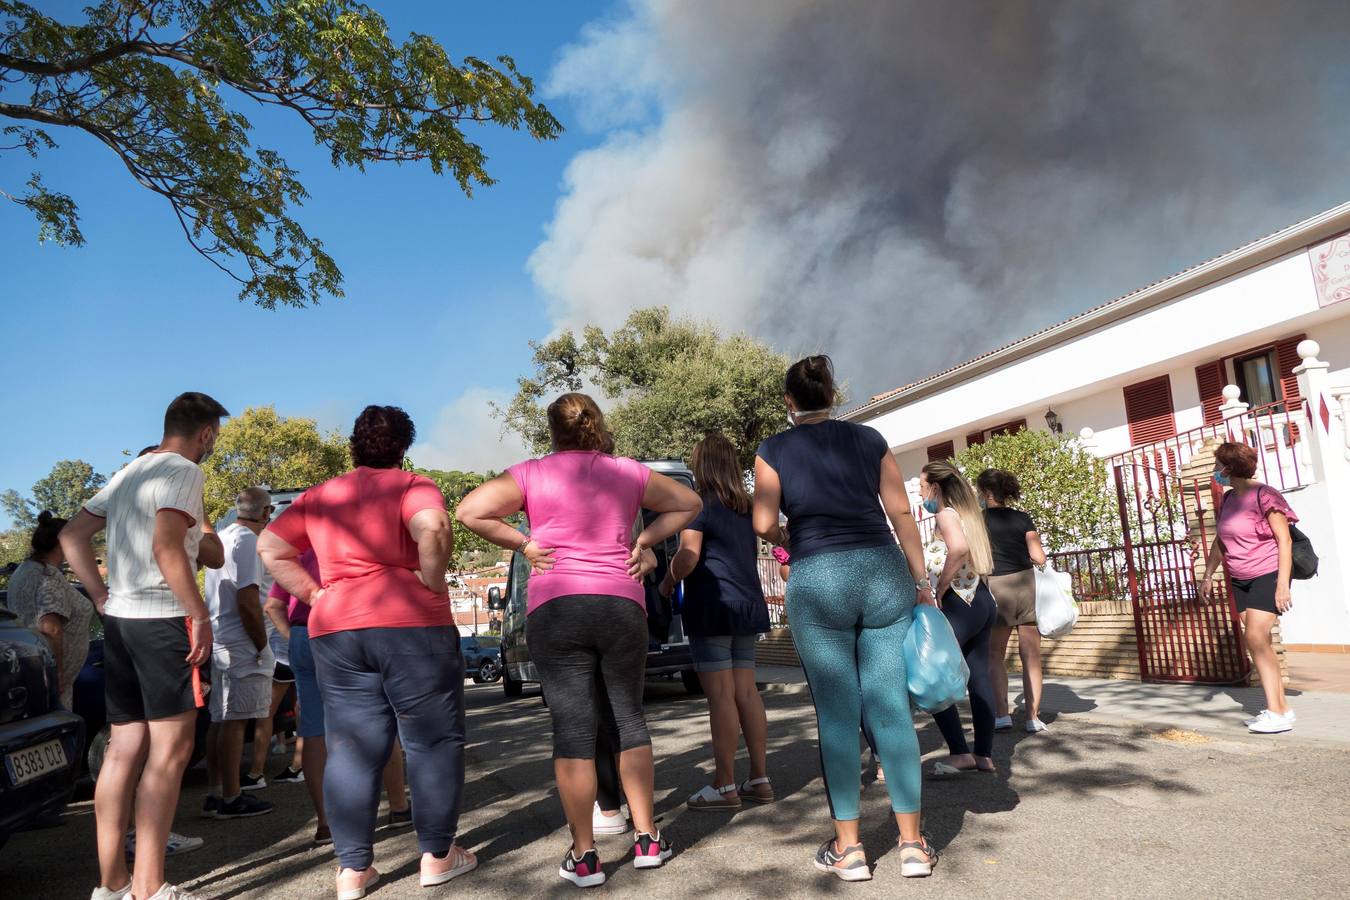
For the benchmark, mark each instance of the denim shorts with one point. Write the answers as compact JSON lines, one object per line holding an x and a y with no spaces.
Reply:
{"x":311,"y":722}
{"x":719,"y":652}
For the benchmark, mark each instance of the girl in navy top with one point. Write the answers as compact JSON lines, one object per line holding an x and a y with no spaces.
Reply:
{"x":724,"y":612}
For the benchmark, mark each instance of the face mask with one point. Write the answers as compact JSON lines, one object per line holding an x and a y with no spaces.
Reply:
{"x":932,"y":506}
{"x":794,"y":417}
{"x":1222,"y":479}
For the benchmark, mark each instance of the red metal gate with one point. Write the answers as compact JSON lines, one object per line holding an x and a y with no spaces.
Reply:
{"x":1181,"y":635}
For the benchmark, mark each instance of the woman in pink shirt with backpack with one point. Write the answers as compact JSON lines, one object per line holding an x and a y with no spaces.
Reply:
{"x":1255,"y":545}
{"x":586,"y":609}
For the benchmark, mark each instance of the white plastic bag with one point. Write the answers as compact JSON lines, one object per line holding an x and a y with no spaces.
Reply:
{"x":1056,"y":610}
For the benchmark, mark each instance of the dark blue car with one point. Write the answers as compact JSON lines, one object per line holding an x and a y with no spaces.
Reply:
{"x":40,"y":743}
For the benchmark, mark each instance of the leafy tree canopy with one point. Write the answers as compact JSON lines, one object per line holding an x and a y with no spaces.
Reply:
{"x":259,"y":447}
{"x":669,"y":382}
{"x":1065,"y":488}
{"x":64,"y":491}
{"x":149,"y":80}
{"x":471,"y":551}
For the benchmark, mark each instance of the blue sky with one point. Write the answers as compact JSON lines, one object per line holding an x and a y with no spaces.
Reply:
{"x":98,"y":339}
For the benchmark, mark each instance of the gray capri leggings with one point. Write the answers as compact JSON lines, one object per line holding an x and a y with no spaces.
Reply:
{"x":576,"y":640}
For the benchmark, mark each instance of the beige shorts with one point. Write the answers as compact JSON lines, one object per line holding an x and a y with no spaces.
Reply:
{"x":235,"y":697}
{"x":1015,"y":595}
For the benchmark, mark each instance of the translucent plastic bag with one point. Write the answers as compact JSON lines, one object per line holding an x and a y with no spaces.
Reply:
{"x":936,"y":669}
{"x":1056,"y":610}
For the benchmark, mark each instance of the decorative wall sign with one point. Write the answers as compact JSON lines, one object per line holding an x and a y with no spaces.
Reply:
{"x":1331,"y":269}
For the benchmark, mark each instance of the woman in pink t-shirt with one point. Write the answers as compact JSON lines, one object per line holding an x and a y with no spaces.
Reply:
{"x":1254,"y":544}
{"x":587,"y":617}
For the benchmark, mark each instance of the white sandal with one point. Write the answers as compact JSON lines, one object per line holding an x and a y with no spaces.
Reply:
{"x":710,"y":797}
{"x":748,"y":792}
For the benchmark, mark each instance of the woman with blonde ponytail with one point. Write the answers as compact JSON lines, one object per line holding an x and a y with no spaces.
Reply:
{"x":959,"y":559}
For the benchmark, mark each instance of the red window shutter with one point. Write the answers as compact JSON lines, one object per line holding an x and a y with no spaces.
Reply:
{"x":1010,"y":427}
{"x":1148,"y":410}
{"x":975,"y":437}
{"x":1286,"y":360}
{"x":1210,"y":379}
{"x":943,"y":451}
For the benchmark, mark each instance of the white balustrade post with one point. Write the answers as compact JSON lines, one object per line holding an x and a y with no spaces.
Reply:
{"x":1326,"y":448}
{"x":1087,"y":438}
{"x":1233,"y":408}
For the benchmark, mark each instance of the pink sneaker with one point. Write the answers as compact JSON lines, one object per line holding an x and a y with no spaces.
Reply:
{"x":352,"y":885}
{"x":584,"y":870}
{"x":438,"y":871}
{"x":650,"y":851}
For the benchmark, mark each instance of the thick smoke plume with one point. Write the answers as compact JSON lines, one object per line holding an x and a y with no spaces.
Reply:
{"x":908,"y":184}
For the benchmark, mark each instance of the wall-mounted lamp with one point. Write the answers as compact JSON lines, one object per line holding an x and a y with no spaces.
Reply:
{"x":1052,"y":420}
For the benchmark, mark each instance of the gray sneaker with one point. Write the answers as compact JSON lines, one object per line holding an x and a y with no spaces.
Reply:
{"x":854,"y":869}
{"x":917,"y":858}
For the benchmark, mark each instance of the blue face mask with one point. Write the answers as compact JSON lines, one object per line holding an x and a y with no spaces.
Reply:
{"x":932,"y":506}
{"x":1222,"y":479}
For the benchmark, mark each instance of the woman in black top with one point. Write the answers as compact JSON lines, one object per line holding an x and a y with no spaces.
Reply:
{"x":724,"y":612}
{"x":1016,"y":545}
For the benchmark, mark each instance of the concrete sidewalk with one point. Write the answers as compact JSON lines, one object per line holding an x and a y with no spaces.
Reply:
{"x":1216,"y":711}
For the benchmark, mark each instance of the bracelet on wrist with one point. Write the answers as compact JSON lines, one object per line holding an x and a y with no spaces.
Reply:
{"x":523,"y":544}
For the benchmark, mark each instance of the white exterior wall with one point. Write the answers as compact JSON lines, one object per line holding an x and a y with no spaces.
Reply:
{"x":1321,"y":613}
{"x":1083,"y":380}
{"x":1262,"y":304}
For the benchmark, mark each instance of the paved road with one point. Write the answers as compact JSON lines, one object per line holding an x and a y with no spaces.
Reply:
{"x":1090,"y":809}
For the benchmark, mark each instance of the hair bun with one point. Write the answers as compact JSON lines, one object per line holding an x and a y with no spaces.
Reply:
{"x":45,"y":517}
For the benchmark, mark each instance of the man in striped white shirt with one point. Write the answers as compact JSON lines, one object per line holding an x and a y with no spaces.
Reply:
{"x":157,"y":631}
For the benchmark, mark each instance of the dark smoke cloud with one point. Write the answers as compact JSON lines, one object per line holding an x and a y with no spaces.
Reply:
{"x":908,"y":184}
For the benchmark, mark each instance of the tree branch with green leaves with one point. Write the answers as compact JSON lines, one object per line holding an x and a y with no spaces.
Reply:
{"x":148,"y":81}
{"x":668,"y":382}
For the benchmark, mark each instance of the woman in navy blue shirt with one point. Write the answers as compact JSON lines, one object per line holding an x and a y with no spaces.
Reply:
{"x":724,"y":612}
{"x":850,"y":602}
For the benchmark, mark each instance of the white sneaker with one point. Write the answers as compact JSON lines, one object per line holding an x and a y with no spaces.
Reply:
{"x":177,"y":843}
{"x":1272,"y":723}
{"x":102,"y":893}
{"x":1035,"y":726}
{"x":172,"y":892}
{"x":1256,"y":718}
{"x":1002,"y":723}
{"x":603,"y":824}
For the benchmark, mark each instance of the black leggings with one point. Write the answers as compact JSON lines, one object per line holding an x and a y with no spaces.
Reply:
{"x":574,"y":641}
{"x":973,"y":623}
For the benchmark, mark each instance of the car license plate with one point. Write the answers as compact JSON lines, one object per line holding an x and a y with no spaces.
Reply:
{"x":33,"y":762}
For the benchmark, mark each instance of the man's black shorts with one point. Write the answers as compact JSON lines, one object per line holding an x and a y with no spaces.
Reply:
{"x":145,"y":669}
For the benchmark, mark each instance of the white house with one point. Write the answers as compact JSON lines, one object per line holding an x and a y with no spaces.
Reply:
{"x":1235,"y":343}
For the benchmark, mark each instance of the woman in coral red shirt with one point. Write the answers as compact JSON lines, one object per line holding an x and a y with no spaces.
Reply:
{"x":1254,"y":544}
{"x":384,"y":642}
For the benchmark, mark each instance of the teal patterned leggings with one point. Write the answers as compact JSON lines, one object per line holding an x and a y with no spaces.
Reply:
{"x":850,"y":612}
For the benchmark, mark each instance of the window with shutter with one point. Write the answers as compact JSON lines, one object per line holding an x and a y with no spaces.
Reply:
{"x":1210,"y":378}
{"x":1148,"y":410}
{"x":975,"y":437}
{"x":943,"y":451}
{"x":1009,"y":428}
{"x":1286,"y":360}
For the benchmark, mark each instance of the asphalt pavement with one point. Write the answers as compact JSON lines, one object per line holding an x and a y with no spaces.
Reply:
{"x":1095,"y":807}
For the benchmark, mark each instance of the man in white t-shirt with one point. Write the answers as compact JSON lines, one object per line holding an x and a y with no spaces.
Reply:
{"x":156,"y":633}
{"x":241,"y":663}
